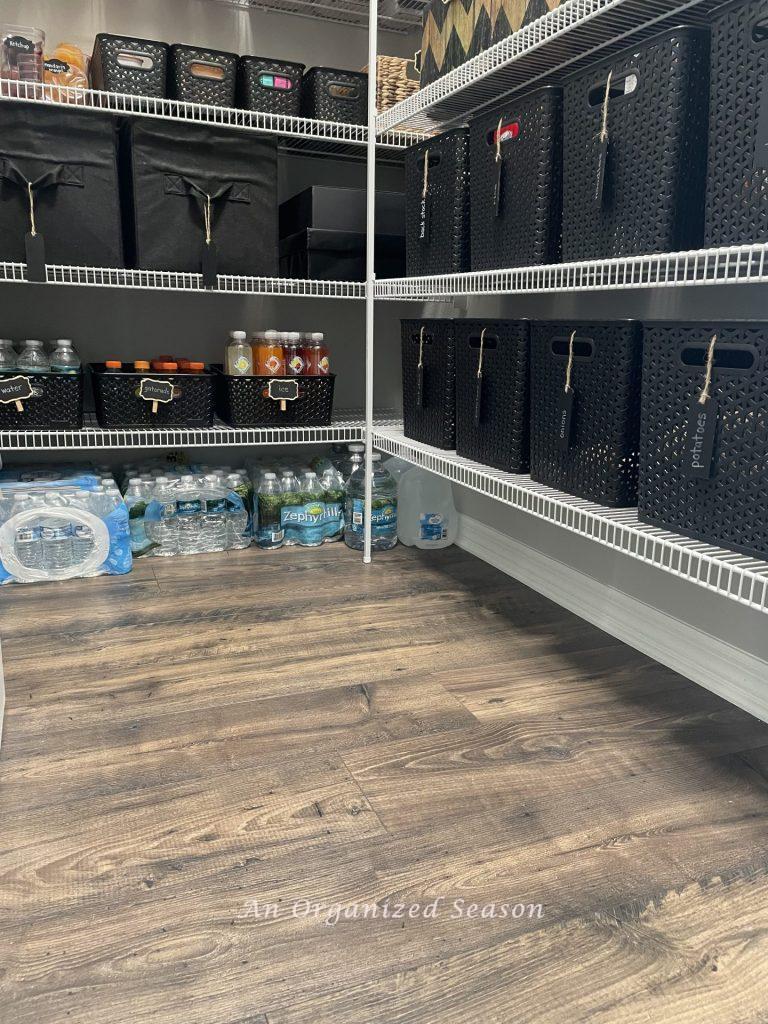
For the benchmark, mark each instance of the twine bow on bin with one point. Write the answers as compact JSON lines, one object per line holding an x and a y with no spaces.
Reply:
{"x":479,"y":377}
{"x":704,"y":396}
{"x":604,"y":116}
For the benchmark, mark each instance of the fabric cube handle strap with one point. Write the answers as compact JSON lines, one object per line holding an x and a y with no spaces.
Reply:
{"x":59,"y":174}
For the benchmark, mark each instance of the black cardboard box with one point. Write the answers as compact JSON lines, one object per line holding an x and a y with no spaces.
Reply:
{"x":339,"y":255}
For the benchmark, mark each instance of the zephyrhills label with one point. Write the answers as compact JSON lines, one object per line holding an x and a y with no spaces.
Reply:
{"x":700,"y":440}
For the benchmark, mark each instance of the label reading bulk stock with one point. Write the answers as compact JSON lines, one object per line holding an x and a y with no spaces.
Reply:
{"x":424,"y":219}
{"x":700,"y":443}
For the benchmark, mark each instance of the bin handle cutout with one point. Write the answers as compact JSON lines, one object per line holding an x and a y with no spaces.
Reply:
{"x":760,"y":32}
{"x":579,"y":349}
{"x":132,"y":60}
{"x":727,"y":357}
{"x":484,"y":340}
{"x":343,"y":91}
{"x":613,"y":88}
{"x":207,"y":70}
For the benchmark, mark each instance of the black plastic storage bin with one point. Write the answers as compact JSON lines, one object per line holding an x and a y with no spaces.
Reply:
{"x":518,"y":224}
{"x":118,"y":403}
{"x":123,"y":64}
{"x":429,"y":393}
{"x":56,"y":402}
{"x":593,"y":452}
{"x":437,"y":223}
{"x":197,"y":75}
{"x":169,"y":169}
{"x":722,"y":499}
{"x":737,"y":169}
{"x":245,"y":402}
{"x":492,"y":409}
{"x":330,"y":94}
{"x":652,"y":195}
{"x":71,"y":159}
{"x":271,"y":86}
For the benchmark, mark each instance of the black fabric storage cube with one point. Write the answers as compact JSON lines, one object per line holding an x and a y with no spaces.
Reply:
{"x":521,"y":226}
{"x":492,"y":411}
{"x":722,"y":499}
{"x":268,"y":85}
{"x":170,"y":168}
{"x":330,"y":94}
{"x":339,"y":255}
{"x":652,"y":193}
{"x":197,"y":75}
{"x":437,"y":218}
{"x":71,"y":160}
{"x":737,"y":170}
{"x":56,"y":402}
{"x":138,"y":67}
{"x":592,"y":452}
{"x":429,"y":390}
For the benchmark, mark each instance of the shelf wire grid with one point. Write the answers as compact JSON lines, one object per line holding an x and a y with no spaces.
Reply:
{"x":552,"y":47}
{"x":169,"y":280}
{"x":738,"y":264}
{"x":400,"y":17}
{"x":736,"y":577}
{"x":295,"y":134}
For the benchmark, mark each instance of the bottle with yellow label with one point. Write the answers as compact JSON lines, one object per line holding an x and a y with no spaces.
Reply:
{"x":239,"y":357}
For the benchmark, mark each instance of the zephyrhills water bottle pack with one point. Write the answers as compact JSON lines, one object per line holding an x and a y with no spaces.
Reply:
{"x":58,"y":523}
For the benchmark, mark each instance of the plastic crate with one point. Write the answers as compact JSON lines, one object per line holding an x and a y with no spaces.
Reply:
{"x":429,"y":410}
{"x":722,"y":500}
{"x":198,"y":75}
{"x":124,"y":64}
{"x":652,"y":199}
{"x":595,"y":455}
{"x":737,"y":168}
{"x":245,"y":401}
{"x":492,"y":408}
{"x":437,"y":236}
{"x":56,"y":402}
{"x":271,"y":86}
{"x":330,"y":94}
{"x":118,"y":403}
{"x":521,"y":226}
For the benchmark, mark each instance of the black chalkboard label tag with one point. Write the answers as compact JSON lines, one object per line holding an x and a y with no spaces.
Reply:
{"x":55,"y":66}
{"x":565,"y":419}
{"x":16,"y":390}
{"x":420,"y":387}
{"x":282,"y":390}
{"x":478,"y":397}
{"x":761,"y":135}
{"x":210,"y":265}
{"x":700,"y":440}
{"x":20,"y":44}
{"x":425,"y":218}
{"x":35,"y":249}
{"x":498,"y":183}
{"x":602,"y":160}
{"x":155,"y":391}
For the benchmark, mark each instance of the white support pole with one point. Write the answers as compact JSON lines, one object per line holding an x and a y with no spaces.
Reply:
{"x":373,"y":26}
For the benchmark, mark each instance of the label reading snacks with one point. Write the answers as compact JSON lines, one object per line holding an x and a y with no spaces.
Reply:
{"x":700,"y":441}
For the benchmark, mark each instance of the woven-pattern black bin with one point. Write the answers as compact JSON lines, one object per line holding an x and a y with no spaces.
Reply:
{"x":245,"y":402}
{"x":270,"y":86}
{"x":330,"y":94}
{"x":138,"y":67}
{"x":437,"y":224}
{"x":429,"y":411}
{"x":56,"y":402}
{"x":727,"y":505}
{"x":118,"y":403}
{"x":190,"y":75}
{"x":520,"y":227}
{"x":653,"y":188}
{"x":737,"y":169}
{"x":492,"y":409}
{"x":598,"y":461}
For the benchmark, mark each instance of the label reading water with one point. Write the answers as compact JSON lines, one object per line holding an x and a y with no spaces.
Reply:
{"x":383,"y":518}
{"x":432,"y":526}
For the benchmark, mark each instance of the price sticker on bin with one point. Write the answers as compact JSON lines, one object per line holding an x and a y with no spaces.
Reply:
{"x":156,"y":391}
{"x":16,"y":390}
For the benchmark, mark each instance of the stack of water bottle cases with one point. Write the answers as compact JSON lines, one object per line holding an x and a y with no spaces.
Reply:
{"x":65,"y":521}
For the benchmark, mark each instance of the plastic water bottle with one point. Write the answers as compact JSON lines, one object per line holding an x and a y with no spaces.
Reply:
{"x":348,"y":463}
{"x":426,"y":514}
{"x":83,"y":540}
{"x":238,"y":536}
{"x":333,"y":496}
{"x":64,"y":359}
{"x":270,"y":498}
{"x":164,"y":531}
{"x":57,"y":544}
{"x":28,"y":542}
{"x":213,"y":520}
{"x":136,"y":502}
{"x":32,"y":358}
{"x":189,"y":508}
{"x":7,"y":356}
{"x":383,"y":508}
{"x":312,"y":515}
{"x":290,"y":504}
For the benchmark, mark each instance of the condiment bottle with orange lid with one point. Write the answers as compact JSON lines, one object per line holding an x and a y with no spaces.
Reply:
{"x":113,"y":365}
{"x":141,"y":366}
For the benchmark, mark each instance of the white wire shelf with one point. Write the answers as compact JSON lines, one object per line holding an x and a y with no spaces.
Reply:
{"x":349,"y":426}
{"x":738,"y":264}
{"x":301,"y":135}
{"x":394,"y":15}
{"x":168,"y":280}
{"x":736,"y":577}
{"x":547,"y":51}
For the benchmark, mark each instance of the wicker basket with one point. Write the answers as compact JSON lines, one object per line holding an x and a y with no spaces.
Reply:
{"x":392,"y":81}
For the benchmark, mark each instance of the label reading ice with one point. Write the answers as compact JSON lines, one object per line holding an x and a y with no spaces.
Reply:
{"x":432,"y":526}
{"x":383,"y":518}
